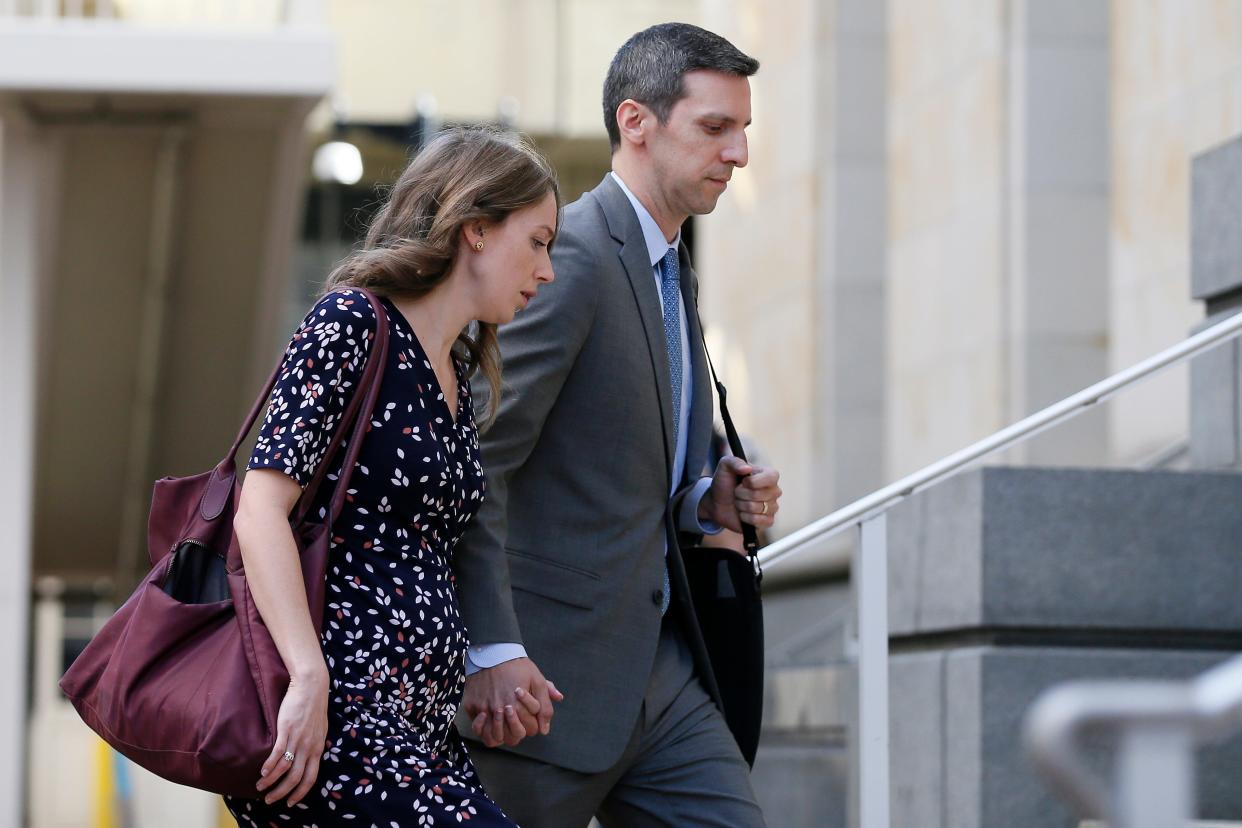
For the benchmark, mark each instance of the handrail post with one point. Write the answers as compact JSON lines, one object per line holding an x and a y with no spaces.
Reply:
{"x":1155,"y":775}
{"x":870,"y":768}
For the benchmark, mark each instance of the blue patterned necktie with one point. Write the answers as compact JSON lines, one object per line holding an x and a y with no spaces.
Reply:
{"x":670,"y":292}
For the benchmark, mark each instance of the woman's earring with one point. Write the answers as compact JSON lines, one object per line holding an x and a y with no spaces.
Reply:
{"x":478,"y":245}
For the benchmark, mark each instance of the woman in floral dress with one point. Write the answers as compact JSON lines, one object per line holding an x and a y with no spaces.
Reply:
{"x":461,"y":245}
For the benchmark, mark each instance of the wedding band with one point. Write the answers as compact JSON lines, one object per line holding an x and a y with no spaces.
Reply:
{"x":765,"y":507}
{"x":288,"y":757}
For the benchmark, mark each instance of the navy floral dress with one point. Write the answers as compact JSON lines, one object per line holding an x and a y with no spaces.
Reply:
{"x":393,"y":638}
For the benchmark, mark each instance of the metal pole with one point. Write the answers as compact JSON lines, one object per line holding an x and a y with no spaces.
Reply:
{"x":869,"y":576}
{"x":1155,"y":775}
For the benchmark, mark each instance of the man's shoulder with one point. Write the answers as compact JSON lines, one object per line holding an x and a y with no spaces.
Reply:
{"x":583,"y":233}
{"x":584,"y":216}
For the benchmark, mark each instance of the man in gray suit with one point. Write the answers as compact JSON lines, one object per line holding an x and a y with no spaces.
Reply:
{"x":593,"y":467}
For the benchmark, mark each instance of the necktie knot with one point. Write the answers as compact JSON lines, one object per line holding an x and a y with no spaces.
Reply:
{"x":670,"y":268}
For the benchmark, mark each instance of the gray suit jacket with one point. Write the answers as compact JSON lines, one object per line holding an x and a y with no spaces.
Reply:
{"x":566,"y":555}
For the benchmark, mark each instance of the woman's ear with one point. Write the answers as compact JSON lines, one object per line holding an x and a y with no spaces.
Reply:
{"x":473,"y":233}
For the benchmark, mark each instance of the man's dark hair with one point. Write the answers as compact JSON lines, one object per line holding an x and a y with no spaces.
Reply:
{"x":650,"y":66}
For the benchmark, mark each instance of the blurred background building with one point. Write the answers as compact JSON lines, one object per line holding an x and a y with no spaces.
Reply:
{"x":956,"y":212}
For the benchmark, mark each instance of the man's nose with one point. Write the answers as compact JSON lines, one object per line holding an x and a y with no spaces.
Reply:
{"x":737,"y":153}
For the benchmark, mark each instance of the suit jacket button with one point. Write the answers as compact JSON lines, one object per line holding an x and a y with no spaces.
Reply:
{"x":657,"y":597}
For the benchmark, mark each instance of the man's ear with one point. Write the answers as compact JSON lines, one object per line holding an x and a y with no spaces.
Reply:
{"x":634,"y":121}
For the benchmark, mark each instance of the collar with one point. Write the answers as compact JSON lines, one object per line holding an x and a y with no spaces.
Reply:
{"x":657,"y":245}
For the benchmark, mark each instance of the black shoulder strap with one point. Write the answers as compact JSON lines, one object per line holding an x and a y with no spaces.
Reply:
{"x":750,"y":539}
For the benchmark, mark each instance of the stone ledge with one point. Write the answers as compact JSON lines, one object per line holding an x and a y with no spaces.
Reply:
{"x":1215,"y":213}
{"x":1068,"y":549}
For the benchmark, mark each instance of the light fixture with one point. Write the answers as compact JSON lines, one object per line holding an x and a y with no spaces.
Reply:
{"x":339,"y":162}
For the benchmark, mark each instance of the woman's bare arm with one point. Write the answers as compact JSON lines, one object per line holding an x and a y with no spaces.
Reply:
{"x":274,"y":575}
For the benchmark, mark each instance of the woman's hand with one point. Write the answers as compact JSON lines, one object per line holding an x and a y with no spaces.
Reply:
{"x":510,"y":702}
{"x":301,"y":731}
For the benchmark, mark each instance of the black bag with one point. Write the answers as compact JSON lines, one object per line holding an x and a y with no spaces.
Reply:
{"x":727,"y":600}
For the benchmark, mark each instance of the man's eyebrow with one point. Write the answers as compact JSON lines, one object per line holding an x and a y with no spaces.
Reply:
{"x":728,"y":119}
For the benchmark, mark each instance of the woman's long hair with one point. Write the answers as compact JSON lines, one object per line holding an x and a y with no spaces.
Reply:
{"x":460,"y":176}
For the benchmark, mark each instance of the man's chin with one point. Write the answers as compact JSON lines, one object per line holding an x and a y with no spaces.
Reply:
{"x":707,"y":206}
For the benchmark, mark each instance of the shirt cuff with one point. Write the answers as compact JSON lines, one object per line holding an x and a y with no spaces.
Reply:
{"x":688,"y":520}
{"x":489,"y":655}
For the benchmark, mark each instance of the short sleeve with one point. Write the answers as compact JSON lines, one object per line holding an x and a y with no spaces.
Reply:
{"x":318,"y":377}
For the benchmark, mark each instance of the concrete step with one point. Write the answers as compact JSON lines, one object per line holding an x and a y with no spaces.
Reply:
{"x":799,"y":699}
{"x":1078,"y":550}
{"x":801,"y":774}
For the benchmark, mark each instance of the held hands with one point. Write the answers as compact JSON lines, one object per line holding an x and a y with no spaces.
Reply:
{"x":301,"y":733}
{"x":741,"y":493}
{"x":510,"y":702}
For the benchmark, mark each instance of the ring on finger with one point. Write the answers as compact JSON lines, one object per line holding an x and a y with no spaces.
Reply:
{"x":288,"y":757}
{"x":765,"y":507}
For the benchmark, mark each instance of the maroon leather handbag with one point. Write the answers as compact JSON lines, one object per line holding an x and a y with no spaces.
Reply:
{"x":185,"y":679}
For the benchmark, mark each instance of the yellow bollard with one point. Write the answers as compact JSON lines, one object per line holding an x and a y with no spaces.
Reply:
{"x":224,"y":819}
{"x":105,"y":787}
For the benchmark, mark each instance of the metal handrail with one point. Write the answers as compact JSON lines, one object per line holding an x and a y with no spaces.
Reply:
{"x":1193,"y":712}
{"x":1060,"y":718}
{"x":1068,"y":408}
{"x":1218,"y":699}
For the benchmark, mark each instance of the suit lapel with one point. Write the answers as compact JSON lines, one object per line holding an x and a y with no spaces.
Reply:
{"x":624,"y":228}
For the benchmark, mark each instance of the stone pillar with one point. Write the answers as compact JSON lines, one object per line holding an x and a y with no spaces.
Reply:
{"x":945,"y":365}
{"x":755,"y":254}
{"x":852,"y":260}
{"x":1216,"y":280}
{"x":1058,"y":174}
{"x":28,"y":165}
{"x":997,"y":289}
{"x":1175,"y":94}
{"x":793,"y":259}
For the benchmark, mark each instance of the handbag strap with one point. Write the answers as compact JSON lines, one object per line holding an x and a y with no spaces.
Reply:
{"x":363,"y":400}
{"x":358,"y":413}
{"x":750,"y":538}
